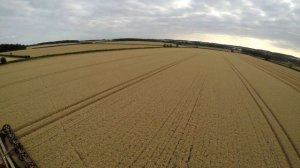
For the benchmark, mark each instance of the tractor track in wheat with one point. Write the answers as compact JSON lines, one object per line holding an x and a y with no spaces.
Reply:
{"x":186,"y":124}
{"x":164,"y":107}
{"x":88,"y":101}
{"x":253,"y":93}
{"x":174,"y":118}
{"x":290,"y":82}
{"x":71,"y":69}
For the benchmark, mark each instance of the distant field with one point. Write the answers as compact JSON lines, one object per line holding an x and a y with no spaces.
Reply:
{"x":49,"y":45}
{"x":164,"y":107}
{"x":136,"y":42}
{"x":66,"y":48}
{"x":97,"y":42}
{"x":11,"y":59}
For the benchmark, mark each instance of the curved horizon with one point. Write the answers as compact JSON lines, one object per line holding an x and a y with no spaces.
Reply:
{"x":269,"y":25}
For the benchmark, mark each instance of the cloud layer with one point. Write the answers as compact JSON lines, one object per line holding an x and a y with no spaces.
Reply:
{"x":31,"y":21}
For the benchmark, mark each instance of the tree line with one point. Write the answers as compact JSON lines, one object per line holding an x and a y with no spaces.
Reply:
{"x":57,"y":42}
{"x":11,"y":47}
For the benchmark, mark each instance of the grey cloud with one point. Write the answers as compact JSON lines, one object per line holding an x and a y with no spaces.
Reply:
{"x":31,"y":21}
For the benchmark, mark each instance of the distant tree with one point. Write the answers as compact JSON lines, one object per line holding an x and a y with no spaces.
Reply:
{"x":267,"y":57}
{"x":177,"y":45}
{"x":3,"y":60}
{"x":165,"y":45}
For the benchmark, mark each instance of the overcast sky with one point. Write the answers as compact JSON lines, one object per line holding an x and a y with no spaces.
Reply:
{"x":267,"y":24}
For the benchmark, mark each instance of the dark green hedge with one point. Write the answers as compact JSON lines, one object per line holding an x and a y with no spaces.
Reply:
{"x":11,"y":47}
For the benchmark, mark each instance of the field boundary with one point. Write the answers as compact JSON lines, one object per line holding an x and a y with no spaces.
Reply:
{"x":74,"y":107}
{"x":118,"y":43}
{"x":15,"y":56}
{"x":272,"y":61}
{"x":75,"y":53}
{"x":59,"y":45}
{"x":263,"y":105}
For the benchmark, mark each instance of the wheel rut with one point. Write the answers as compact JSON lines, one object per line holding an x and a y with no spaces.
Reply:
{"x":176,"y":114}
{"x":71,"y":69}
{"x":31,"y":127}
{"x":186,"y":126}
{"x":290,"y":84}
{"x":265,"y":110}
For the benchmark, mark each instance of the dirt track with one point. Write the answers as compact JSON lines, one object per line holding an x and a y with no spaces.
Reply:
{"x":154,"y":108}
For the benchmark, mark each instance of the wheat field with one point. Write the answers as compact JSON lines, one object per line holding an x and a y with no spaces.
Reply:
{"x":51,"y":49}
{"x":164,"y":107}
